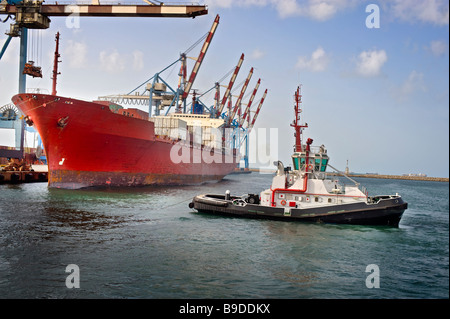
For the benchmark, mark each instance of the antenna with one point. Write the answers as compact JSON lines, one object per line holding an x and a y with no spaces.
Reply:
{"x":296,"y":124}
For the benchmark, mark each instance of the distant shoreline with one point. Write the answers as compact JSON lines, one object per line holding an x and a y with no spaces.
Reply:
{"x":406,"y":177}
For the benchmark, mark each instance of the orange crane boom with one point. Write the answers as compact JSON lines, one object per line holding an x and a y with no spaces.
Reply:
{"x":230,"y":85}
{"x":249,"y":104}
{"x":258,"y":109}
{"x":238,"y":102}
{"x":200,"y":58}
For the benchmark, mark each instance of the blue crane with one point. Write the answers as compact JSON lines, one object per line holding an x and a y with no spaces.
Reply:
{"x":8,"y":40}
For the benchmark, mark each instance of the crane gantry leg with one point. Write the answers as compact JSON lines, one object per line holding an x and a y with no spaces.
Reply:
{"x":5,"y":46}
{"x":23,"y":59}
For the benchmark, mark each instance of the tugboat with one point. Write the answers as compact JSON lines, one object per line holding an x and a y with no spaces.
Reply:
{"x":306,"y":193}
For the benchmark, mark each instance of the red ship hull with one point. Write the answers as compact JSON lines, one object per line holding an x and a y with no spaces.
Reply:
{"x":89,"y":145}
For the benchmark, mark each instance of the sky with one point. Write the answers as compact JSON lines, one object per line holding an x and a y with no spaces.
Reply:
{"x":374,"y":74}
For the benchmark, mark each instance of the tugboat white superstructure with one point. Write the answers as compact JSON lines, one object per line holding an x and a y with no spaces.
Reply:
{"x":307,"y":193}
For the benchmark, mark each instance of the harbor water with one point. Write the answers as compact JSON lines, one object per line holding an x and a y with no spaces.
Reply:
{"x":146,"y":243}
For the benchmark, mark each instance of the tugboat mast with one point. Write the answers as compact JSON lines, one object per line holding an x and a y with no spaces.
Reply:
{"x":296,"y":124}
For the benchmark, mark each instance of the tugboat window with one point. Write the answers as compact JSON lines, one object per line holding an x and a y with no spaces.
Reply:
{"x":317,"y":164}
{"x":324,"y":165}
{"x":302,"y":162}
{"x":295,"y":163}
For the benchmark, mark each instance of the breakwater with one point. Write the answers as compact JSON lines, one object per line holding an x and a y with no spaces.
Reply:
{"x":380,"y":176}
{"x":404,"y":177}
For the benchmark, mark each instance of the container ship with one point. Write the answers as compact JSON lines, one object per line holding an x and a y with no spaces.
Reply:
{"x":101,"y":143}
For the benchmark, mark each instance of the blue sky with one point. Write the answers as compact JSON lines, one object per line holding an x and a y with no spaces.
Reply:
{"x":377,"y":97}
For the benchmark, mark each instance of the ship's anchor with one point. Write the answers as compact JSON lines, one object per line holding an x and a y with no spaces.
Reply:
{"x":62,"y":121}
{"x":28,"y":120}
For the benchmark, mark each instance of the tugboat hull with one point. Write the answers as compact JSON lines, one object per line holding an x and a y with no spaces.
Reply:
{"x":385,"y":210}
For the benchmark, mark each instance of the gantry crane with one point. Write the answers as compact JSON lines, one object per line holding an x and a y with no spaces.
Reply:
{"x":199,"y":61}
{"x":249,"y":104}
{"x":257,"y":110}
{"x":34,"y":14}
{"x":240,"y":132}
{"x":241,"y":95}
{"x":158,"y":92}
{"x":245,"y":140}
{"x":230,"y":86}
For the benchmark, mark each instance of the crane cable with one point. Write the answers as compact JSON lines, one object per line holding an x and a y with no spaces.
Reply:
{"x":35,"y":49}
{"x":196,"y":43}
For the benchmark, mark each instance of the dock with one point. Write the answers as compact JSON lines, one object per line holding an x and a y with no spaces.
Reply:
{"x":38,"y":173}
{"x":17,"y":177}
{"x":241,"y":171}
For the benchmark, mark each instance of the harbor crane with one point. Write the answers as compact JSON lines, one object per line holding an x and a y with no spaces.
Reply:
{"x":238,"y":101}
{"x":257,"y":110}
{"x":249,"y":104}
{"x":230,"y":86}
{"x":35,"y":14}
{"x":241,"y":132}
{"x":158,"y":92}
{"x":199,"y":60}
{"x":246,"y":118}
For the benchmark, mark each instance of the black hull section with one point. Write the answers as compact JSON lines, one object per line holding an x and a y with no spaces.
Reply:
{"x":388,"y":210}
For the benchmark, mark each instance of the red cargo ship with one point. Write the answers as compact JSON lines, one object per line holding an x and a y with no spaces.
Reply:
{"x":100,"y":144}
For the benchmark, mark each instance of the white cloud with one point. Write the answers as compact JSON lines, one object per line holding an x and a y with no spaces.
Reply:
{"x":112,"y":62}
{"x":438,"y":48}
{"x":257,"y":54}
{"x":414,"y":83}
{"x":316,"y":63}
{"x":287,"y":8}
{"x":238,"y":3}
{"x":138,"y":60}
{"x":220,"y":3}
{"x":76,"y":54}
{"x":429,"y":11}
{"x":320,"y":10}
{"x":369,"y":63}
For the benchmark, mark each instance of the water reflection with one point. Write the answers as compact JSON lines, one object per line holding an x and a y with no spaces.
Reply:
{"x":81,"y":220}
